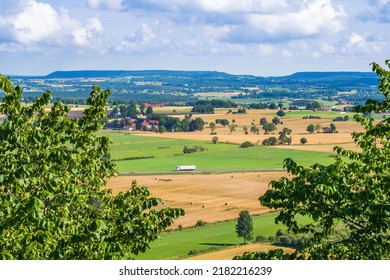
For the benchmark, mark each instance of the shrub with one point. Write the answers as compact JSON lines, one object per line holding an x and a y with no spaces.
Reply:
{"x":193,"y":252}
{"x":193,"y":149}
{"x":247,"y":144}
{"x":261,"y":239}
{"x":200,"y":223}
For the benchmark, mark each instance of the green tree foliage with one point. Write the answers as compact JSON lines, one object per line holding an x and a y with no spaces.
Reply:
{"x":232,"y":127}
{"x":53,"y":170}
{"x":193,"y":149}
{"x":213,"y":127}
{"x":204,"y":109}
{"x":196,"y":124}
{"x":246,"y":144}
{"x":353,"y":193}
{"x":313,"y":105}
{"x":271,"y":141}
{"x":276,"y":120}
{"x":310,"y":128}
{"x":280,"y":113}
{"x":303,"y":141}
{"x":254,"y":129}
{"x":263,"y":121}
{"x":149,"y":111}
{"x":331,"y":129}
{"x":269,"y":127}
{"x":224,"y":122}
{"x":244,"y":226}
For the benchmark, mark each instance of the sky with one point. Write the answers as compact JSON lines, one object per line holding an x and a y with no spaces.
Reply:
{"x":257,"y":37}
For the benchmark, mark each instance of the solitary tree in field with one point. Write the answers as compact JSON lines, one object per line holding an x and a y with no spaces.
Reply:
{"x":352,"y":193}
{"x":317,"y":128}
{"x":254,"y":129}
{"x":269,"y":127}
{"x":53,"y":172}
{"x":303,"y":140}
{"x":310,"y":128}
{"x":232,"y":127}
{"x":224,"y":122}
{"x":244,"y":226}
{"x":280,"y":113}
{"x":213,"y":126}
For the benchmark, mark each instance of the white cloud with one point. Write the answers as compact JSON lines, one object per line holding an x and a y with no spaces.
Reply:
{"x":311,"y":18}
{"x":355,"y":39}
{"x":38,"y":26}
{"x":110,"y":4}
{"x":356,"y":44}
{"x":35,"y":22}
{"x":249,"y":20}
{"x":86,"y":35}
{"x":141,"y":40}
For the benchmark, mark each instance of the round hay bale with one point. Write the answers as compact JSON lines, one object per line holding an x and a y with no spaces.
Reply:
{"x":203,"y":206}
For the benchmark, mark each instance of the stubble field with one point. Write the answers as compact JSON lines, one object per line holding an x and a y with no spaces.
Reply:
{"x":206,"y":197}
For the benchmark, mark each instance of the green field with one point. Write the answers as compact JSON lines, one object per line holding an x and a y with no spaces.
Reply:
{"x":326,"y":115}
{"x":165,"y":154}
{"x":216,"y":236}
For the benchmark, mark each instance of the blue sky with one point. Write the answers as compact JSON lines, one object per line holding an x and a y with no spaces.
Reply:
{"x":260,"y":37}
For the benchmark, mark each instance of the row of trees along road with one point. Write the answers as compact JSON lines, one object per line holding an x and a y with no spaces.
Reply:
{"x":52,"y":173}
{"x":352,"y":193}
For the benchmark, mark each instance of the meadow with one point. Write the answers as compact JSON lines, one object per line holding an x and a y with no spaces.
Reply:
{"x":176,"y":244}
{"x":134,"y":153}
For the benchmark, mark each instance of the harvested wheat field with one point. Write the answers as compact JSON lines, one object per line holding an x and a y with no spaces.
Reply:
{"x":207,"y":197}
{"x":228,"y":254}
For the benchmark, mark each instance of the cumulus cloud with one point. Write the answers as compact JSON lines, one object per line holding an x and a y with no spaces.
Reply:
{"x":86,"y":35}
{"x":140,"y":40}
{"x":31,"y":23}
{"x":35,"y":22}
{"x":357,"y":44}
{"x":248,"y":20}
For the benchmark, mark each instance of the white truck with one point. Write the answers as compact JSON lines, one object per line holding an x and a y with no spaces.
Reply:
{"x":185,"y":168}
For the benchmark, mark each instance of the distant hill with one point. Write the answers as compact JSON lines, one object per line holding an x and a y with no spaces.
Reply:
{"x":124,"y":73}
{"x":221,"y":79}
{"x":335,"y":78}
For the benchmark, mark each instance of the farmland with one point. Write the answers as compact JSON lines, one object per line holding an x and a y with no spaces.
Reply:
{"x":164,"y":154}
{"x":228,"y":179}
